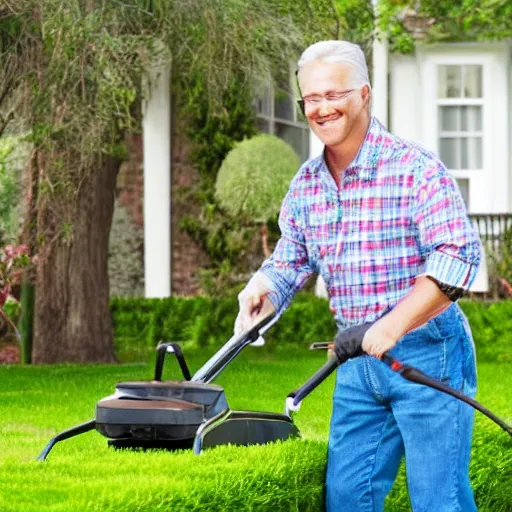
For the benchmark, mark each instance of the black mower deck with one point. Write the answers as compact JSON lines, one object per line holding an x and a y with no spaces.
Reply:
{"x":182,"y":414}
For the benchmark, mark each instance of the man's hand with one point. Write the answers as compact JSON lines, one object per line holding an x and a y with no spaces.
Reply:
{"x":348,"y":342}
{"x":254,"y":303}
{"x":379,"y":338}
{"x":421,"y":304}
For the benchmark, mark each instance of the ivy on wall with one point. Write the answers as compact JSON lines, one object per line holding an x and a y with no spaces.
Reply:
{"x":214,"y":135}
{"x":404,"y":21}
{"x":232,"y":247}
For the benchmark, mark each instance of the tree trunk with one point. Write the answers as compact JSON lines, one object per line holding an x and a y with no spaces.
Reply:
{"x":29,"y":238}
{"x":72,"y":321}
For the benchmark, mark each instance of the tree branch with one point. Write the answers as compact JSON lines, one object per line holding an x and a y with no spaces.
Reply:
{"x":336,"y":17}
{"x":5,"y":121}
{"x":7,"y":88}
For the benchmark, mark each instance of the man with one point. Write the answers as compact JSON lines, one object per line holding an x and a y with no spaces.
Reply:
{"x":384,"y":224}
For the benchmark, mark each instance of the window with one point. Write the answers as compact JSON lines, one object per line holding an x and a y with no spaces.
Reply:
{"x":277,"y":113}
{"x":463,"y":185}
{"x":463,"y":116}
{"x":460,"y":114}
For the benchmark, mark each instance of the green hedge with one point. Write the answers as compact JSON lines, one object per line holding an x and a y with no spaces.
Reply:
{"x":139,"y":324}
{"x":199,"y":322}
{"x":491,"y":324}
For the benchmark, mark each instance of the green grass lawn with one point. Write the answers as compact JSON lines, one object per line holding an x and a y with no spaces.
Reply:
{"x":83,"y":474}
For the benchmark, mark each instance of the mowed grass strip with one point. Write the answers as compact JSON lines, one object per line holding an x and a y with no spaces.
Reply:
{"x":83,"y":474}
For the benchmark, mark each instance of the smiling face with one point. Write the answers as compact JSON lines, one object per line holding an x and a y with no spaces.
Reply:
{"x":333,"y":120}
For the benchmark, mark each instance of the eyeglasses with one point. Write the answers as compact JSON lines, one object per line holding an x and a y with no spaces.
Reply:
{"x":315,"y":99}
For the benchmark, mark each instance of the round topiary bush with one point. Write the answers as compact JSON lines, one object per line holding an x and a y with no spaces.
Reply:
{"x":254,"y":178}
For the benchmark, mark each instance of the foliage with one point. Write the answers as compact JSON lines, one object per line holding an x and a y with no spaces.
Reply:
{"x":215,"y":135}
{"x":84,"y":474}
{"x":13,"y":262}
{"x":444,"y":21}
{"x":229,"y":247}
{"x":139,"y":324}
{"x":76,"y":70}
{"x":228,"y":243}
{"x":125,"y":266}
{"x":357,"y":22}
{"x":10,"y":188}
{"x":254,"y":177}
{"x":83,"y":63}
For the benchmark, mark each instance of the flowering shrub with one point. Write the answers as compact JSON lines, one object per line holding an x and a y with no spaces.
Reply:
{"x":14,"y":260}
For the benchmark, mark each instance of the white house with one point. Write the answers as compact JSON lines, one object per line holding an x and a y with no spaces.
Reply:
{"x":453,"y":98}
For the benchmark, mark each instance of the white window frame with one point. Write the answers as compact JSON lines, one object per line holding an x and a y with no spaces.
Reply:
{"x":272,"y":119}
{"x":461,"y":173}
{"x":489,"y":186}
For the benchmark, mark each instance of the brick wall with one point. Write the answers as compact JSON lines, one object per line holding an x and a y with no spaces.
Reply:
{"x":187,"y":257}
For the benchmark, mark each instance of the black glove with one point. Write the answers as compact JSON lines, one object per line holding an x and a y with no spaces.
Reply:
{"x":348,"y":342}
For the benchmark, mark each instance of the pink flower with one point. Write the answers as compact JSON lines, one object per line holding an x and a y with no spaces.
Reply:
{"x":4,"y":294}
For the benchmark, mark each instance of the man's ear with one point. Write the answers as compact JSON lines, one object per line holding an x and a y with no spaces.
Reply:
{"x":366,"y":94}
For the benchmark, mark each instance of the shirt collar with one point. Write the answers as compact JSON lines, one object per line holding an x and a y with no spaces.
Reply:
{"x":365,"y":163}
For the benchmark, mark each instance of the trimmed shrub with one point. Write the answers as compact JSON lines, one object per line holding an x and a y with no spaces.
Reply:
{"x":491,"y":324}
{"x":254,"y":178}
{"x":140,"y":324}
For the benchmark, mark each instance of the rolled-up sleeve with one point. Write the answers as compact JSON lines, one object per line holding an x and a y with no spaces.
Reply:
{"x":288,"y":267}
{"x":448,"y":242}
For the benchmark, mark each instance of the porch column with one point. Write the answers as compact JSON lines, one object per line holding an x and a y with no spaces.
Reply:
{"x":156,"y":126}
{"x":380,"y":75}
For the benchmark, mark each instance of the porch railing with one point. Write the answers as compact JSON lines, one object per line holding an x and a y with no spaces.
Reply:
{"x":495,"y":231}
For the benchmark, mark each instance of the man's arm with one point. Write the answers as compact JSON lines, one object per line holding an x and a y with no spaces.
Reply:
{"x":282,"y":275}
{"x":452,"y":253}
{"x":423,"y":302}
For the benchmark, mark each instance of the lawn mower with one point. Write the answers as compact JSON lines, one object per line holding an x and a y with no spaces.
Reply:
{"x":190,"y":413}
{"x":193,"y":413}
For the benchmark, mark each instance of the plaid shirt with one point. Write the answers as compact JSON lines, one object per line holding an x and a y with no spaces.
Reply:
{"x":397,"y":214}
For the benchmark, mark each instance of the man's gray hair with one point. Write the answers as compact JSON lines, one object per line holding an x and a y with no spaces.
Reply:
{"x":338,"y":51}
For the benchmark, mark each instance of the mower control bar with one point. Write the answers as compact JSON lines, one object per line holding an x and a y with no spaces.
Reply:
{"x":346,"y":346}
{"x":295,"y":397}
{"x":231,"y":349}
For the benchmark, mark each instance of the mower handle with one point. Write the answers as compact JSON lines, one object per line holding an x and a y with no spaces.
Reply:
{"x":232,"y":348}
{"x":409,"y":373}
{"x":295,"y":398}
{"x":170,"y":348}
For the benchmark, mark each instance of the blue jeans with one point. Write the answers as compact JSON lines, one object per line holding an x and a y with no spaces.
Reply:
{"x":378,"y":417}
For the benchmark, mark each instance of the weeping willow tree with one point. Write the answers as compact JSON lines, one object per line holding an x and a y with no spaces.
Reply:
{"x":71,"y":75}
